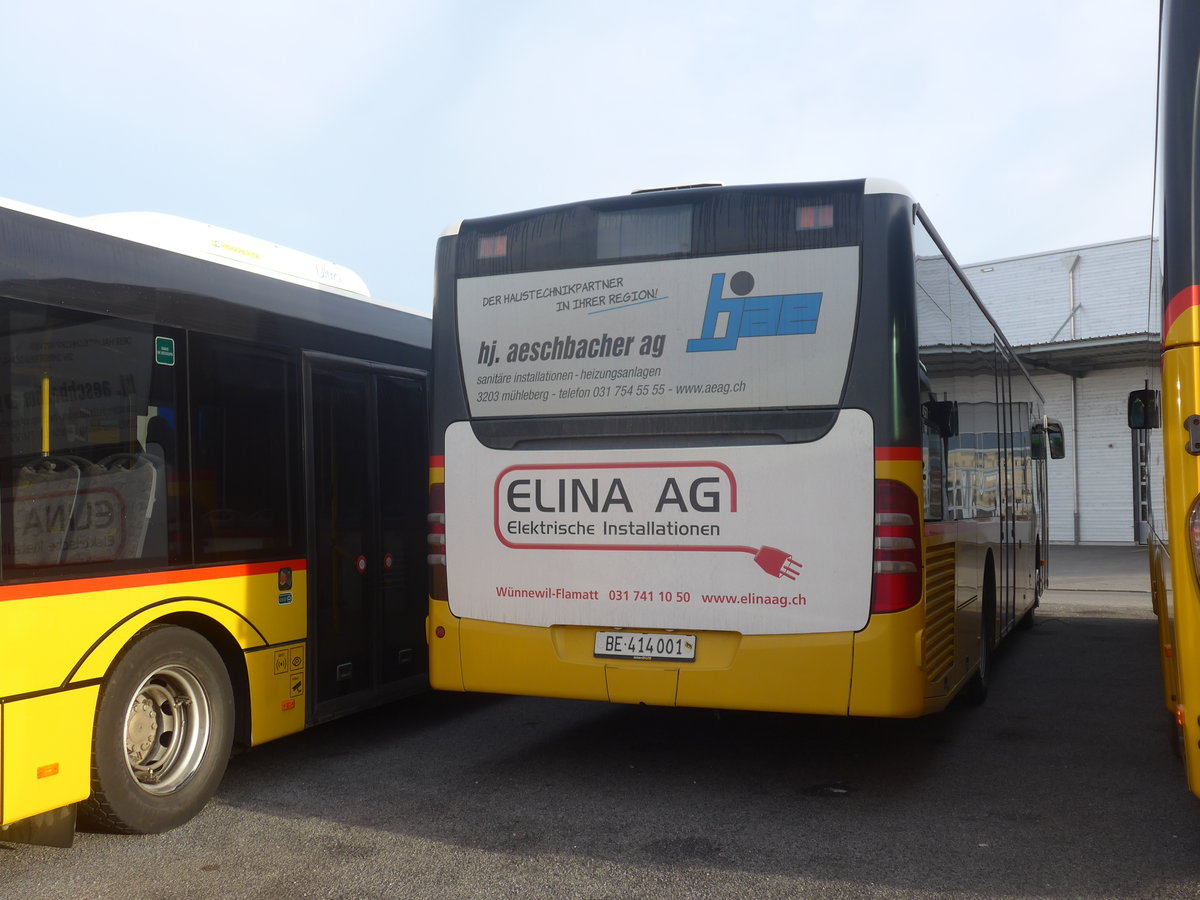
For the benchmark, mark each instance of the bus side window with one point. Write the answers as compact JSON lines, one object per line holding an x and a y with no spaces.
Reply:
{"x":245,"y":450}
{"x":79,"y":489}
{"x":941,"y":422}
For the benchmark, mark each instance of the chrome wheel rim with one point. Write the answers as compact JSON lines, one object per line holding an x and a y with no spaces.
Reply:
{"x":167,"y":729}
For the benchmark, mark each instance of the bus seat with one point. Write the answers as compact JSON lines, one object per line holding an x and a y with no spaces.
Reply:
{"x":116,"y":500}
{"x":43,"y":505}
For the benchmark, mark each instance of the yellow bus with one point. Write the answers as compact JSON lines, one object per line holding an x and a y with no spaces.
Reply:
{"x":212,"y":510}
{"x":1174,"y":541}
{"x":752,"y":447}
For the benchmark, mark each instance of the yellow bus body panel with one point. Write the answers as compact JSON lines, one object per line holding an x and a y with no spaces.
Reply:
{"x":47,"y":743}
{"x":445,"y":660}
{"x":808,"y":673}
{"x":888,"y":677}
{"x":1162,"y":600}
{"x":804,"y":673}
{"x":277,"y":689}
{"x":91,"y":626}
{"x":1184,"y":334}
{"x":93,"y":620}
{"x":1180,"y":632}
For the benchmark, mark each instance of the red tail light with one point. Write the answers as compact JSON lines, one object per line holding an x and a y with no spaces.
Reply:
{"x":1194,"y":536}
{"x":437,"y":541}
{"x":897,"y":581}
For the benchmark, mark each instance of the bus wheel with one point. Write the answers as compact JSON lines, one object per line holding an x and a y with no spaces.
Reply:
{"x":164,"y":729}
{"x":977,"y":689}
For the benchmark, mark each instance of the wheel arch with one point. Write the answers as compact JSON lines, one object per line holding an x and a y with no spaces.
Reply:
{"x":232,"y":655}
{"x":170,"y":692}
{"x":213,"y":621}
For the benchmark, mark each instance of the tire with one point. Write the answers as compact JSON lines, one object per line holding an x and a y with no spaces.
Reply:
{"x":977,"y":688}
{"x":163,"y":733}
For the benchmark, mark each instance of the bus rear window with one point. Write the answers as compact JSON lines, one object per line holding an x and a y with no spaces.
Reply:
{"x":689,"y":223}
{"x":657,"y":231}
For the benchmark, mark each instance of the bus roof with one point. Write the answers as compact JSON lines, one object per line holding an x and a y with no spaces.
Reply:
{"x":870,"y":186}
{"x":885,"y":186}
{"x":214,"y":244}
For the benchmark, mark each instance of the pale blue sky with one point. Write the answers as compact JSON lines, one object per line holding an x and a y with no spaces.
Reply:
{"x":357,"y":131}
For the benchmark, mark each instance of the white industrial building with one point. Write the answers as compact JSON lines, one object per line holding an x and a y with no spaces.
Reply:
{"x":1083,"y":322}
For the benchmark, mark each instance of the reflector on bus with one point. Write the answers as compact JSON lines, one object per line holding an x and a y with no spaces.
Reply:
{"x":810,"y":217}
{"x":493,"y":247}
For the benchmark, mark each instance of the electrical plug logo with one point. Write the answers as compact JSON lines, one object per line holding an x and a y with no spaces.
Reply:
{"x":746,"y":316}
{"x":775,"y":562}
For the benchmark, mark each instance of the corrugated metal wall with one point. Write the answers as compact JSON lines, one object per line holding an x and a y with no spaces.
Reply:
{"x":1030,"y":297}
{"x":1104,"y":448}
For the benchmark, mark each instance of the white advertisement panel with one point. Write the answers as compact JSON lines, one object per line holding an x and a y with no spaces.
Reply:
{"x":726,"y":332}
{"x":766,"y":539}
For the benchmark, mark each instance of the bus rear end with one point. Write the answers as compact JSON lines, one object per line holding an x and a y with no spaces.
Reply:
{"x":676,"y":452}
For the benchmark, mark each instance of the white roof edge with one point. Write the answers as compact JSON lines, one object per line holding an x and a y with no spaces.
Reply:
{"x":205,"y":241}
{"x":682,"y":186}
{"x":213,"y":244}
{"x":452,"y":230}
{"x":40,"y":212}
{"x":885,"y":186}
{"x":1074,"y":249}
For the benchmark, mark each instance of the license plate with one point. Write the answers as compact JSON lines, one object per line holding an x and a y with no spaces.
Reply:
{"x":645,"y":645}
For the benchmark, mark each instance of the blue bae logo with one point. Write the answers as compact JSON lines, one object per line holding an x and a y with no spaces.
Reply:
{"x":752,"y":316}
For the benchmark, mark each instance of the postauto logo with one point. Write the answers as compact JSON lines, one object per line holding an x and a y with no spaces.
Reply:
{"x":752,"y":316}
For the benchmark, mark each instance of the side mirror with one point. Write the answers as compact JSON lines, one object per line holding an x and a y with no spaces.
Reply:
{"x":1058,"y":443}
{"x":1047,"y":431}
{"x":1142,"y":410}
{"x":942,"y":417}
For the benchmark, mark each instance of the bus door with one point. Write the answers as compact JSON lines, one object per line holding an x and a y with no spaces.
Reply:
{"x":367,"y":572}
{"x":1006,"y":500}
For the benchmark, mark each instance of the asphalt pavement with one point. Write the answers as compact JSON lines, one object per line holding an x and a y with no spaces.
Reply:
{"x":1106,"y":580}
{"x":1063,"y":785}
